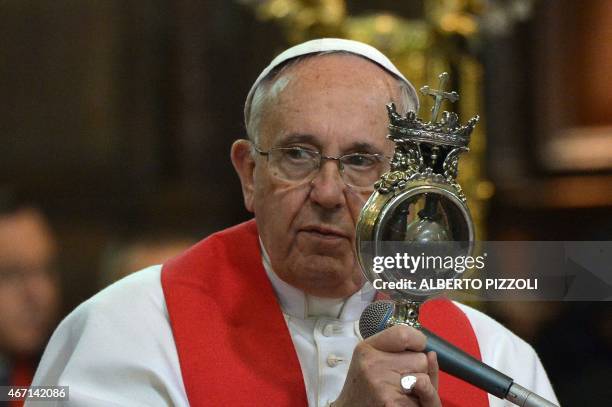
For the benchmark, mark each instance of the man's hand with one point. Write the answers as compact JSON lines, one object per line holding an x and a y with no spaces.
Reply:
{"x":378,"y":365}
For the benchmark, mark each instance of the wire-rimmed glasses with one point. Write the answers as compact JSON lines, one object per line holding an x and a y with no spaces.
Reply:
{"x":298,"y":164}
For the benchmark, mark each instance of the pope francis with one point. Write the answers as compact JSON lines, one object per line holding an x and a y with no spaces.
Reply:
{"x":265,"y":313}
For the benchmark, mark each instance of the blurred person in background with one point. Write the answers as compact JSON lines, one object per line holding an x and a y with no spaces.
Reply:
{"x":29,"y":291}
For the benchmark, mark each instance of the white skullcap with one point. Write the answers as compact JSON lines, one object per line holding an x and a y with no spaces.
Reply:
{"x":327,"y":45}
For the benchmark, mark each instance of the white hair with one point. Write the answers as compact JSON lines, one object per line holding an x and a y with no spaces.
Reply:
{"x":273,"y":83}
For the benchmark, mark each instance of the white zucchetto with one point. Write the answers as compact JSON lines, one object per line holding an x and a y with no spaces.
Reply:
{"x":330,"y":45}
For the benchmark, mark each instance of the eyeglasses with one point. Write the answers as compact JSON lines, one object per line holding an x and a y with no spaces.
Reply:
{"x":296,"y":164}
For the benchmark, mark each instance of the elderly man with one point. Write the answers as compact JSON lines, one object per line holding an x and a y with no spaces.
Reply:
{"x":265,"y":313}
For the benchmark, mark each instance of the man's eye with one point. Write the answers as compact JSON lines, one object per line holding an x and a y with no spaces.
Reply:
{"x":360,"y":160}
{"x":297,"y":154}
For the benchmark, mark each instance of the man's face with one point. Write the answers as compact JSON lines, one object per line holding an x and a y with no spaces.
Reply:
{"x":334,"y":104}
{"x":28,"y":291}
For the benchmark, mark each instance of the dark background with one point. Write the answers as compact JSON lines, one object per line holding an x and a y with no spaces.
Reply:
{"x":118,"y":116}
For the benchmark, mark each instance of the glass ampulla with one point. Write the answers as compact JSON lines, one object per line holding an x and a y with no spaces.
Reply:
{"x":424,"y":229}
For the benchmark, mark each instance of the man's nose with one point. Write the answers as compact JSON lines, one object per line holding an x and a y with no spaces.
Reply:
{"x":328,"y":186}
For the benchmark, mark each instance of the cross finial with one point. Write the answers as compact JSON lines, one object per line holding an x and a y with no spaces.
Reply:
{"x":439,"y":95}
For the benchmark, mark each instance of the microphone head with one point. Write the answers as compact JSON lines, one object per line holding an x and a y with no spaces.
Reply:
{"x":375,"y":317}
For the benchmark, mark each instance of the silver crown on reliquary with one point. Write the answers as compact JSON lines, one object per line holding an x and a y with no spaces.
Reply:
{"x":427,"y":150}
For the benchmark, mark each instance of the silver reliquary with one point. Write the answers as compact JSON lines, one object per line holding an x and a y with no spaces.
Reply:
{"x":418,"y":207}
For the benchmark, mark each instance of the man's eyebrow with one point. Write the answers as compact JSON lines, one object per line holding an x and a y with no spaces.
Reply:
{"x":298,"y":138}
{"x":355,"y":147}
{"x":363,"y":147}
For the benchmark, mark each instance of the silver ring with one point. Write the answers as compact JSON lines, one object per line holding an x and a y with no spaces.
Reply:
{"x":407,"y":383}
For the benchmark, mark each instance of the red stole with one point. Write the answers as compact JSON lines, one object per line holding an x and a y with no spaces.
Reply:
{"x":233,"y":344}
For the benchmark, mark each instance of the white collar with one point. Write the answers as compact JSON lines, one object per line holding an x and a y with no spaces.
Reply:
{"x":296,"y":304}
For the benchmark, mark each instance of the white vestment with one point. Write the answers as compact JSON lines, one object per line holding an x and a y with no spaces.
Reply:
{"x":117,"y":348}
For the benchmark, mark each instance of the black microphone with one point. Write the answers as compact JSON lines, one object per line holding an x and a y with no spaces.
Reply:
{"x":454,"y":361}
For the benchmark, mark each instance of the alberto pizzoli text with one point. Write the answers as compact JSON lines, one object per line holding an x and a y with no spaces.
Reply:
{"x":458,"y":284}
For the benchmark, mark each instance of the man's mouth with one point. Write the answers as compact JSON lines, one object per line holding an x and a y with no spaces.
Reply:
{"x":325,"y":232}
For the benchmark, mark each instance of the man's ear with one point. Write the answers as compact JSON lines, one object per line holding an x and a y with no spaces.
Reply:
{"x":243,"y":162}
